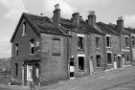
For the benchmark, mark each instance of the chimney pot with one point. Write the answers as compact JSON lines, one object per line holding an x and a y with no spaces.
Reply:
{"x":91,"y":18}
{"x":57,"y":6}
{"x":76,"y":18}
{"x":56,"y":14}
{"x":120,"y":23}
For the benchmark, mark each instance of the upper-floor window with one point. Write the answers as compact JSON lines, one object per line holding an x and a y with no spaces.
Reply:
{"x":32,"y":46}
{"x":108,"y":41}
{"x":17,"y":49}
{"x":97,"y":42}
{"x":133,"y":41}
{"x":80,"y":42}
{"x":127,"y":41}
{"x":56,"y":46}
{"x":24,"y":29}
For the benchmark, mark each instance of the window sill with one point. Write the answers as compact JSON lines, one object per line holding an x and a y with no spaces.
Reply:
{"x":80,"y":49}
{"x":108,"y":47}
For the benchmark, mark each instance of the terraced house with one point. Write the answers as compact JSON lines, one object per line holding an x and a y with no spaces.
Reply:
{"x":46,"y":50}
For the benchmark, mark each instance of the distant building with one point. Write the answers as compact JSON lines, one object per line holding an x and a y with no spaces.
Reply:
{"x":47,"y":50}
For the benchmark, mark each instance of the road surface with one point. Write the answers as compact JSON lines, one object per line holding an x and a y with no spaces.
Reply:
{"x":121,"y":79}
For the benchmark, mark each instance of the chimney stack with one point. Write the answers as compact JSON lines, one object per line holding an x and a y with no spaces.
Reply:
{"x":92,"y":18}
{"x":56,"y":14}
{"x":76,"y":19}
{"x":120,"y":23}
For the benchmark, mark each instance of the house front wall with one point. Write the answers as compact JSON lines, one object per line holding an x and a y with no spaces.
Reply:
{"x":126,"y":51}
{"x":114,"y":50}
{"x":23,"y":49}
{"x":54,"y":64}
{"x":76,"y":52}
{"x":94,"y":52}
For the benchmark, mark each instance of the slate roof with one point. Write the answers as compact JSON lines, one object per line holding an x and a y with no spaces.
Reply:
{"x":82,"y":28}
{"x":41,"y":24}
{"x":130,"y":30}
{"x":107,"y":29}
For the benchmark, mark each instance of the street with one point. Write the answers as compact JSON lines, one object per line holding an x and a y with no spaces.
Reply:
{"x":124,"y":86}
{"x":121,"y":79}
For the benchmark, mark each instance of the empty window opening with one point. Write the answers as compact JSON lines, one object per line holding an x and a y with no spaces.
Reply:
{"x":16,"y":69}
{"x":98,"y":61}
{"x":32,"y":46}
{"x":80,"y":43}
{"x":109,"y":58}
{"x":24,"y":29}
{"x":108,"y":41}
{"x":72,"y":62}
{"x":17,"y":49}
{"x":81,"y":63}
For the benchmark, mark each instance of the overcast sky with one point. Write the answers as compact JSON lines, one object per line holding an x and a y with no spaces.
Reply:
{"x":106,"y":10}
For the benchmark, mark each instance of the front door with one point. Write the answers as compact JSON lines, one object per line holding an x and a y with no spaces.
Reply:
{"x":30,"y":73}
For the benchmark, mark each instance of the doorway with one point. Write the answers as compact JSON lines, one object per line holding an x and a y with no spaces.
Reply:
{"x":30,"y":73}
{"x":72,"y":68}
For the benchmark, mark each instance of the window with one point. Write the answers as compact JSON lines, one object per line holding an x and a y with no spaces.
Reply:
{"x":126,"y":41}
{"x":109,"y":58}
{"x":133,"y":41}
{"x":81,"y":63}
{"x":108,"y":41}
{"x":56,"y":45}
{"x":71,"y":61}
{"x":24,"y":29}
{"x":97,"y":42}
{"x":16,"y":49}
{"x":98,"y":61}
{"x":80,"y":43}
{"x":16,"y":69}
{"x":32,"y":46}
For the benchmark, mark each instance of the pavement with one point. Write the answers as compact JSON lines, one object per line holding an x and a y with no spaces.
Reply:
{"x":120,"y":79}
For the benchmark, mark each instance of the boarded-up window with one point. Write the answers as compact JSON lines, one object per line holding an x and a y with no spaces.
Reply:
{"x":56,"y":45}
